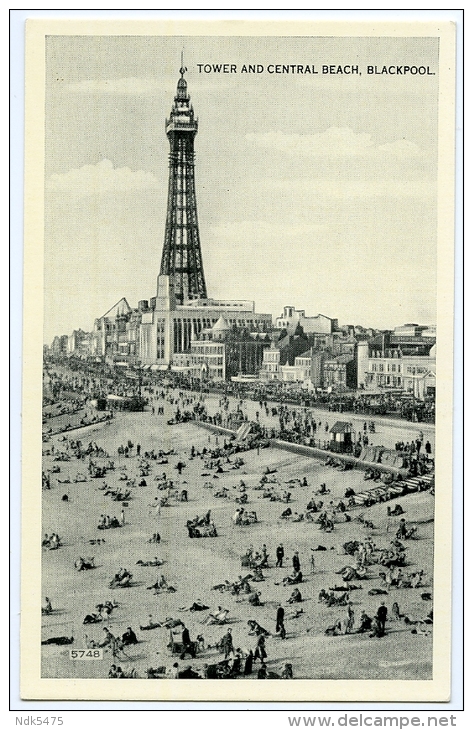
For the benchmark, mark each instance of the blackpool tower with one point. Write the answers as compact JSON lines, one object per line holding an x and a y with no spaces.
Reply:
{"x":182,"y":256}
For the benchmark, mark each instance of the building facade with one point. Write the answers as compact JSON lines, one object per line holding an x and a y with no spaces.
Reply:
{"x":300,"y":372}
{"x":170,"y":328}
{"x":116,"y":333}
{"x":208,"y":360}
{"x":409,"y":373}
{"x":270,"y":367}
{"x":80,"y":344}
{"x":291,"y":317}
{"x":339,"y":373}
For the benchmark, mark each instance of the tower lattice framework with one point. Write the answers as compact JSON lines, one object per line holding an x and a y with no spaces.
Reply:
{"x":182,"y":255}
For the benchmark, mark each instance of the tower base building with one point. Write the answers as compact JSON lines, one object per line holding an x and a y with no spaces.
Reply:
{"x":168,"y":328}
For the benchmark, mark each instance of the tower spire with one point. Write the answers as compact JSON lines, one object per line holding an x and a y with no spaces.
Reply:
{"x":182,"y":256}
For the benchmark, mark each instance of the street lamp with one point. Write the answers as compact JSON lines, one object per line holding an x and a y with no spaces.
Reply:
{"x":139,"y":378}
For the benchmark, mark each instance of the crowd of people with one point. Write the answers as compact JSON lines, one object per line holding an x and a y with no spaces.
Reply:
{"x":293,"y":576}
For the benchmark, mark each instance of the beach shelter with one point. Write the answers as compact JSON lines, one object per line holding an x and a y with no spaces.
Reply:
{"x":341,"y":437}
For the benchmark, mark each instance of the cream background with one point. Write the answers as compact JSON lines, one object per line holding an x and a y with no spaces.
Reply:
{"x":32,"y":686}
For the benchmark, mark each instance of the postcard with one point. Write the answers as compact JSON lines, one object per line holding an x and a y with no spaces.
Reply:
{"x":238,"y":361}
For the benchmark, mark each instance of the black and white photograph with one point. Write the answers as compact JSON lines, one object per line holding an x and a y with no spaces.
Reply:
{"x":238,"y":332}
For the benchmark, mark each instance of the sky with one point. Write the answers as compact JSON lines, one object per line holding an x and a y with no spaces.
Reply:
{"x":313,"y":190}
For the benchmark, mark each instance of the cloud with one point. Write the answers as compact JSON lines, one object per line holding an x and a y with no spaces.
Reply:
{"x":264,"y":230}
{"x":133,"y":86}
{"x":339,"y":188}
{"x":100,"y":178}
{"x":126,"y":86}
{"x":335,"y":141}
{"x":400,"y":148}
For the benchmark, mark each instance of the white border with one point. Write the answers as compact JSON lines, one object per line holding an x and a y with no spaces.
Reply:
{"x":17,"y":19}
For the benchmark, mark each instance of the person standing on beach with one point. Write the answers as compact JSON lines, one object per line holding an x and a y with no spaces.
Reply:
{"x":280,"y":628}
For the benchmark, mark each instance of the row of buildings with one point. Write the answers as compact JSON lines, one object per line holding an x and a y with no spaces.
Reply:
{"x":220,"y":343}
{"x":383,"y":363}
{"x":181,"y":328}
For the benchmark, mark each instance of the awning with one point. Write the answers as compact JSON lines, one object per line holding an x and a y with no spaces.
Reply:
{"x":341,"y":427}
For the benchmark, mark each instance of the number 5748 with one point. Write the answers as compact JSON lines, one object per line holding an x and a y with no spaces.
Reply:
{"x":85,"y":654}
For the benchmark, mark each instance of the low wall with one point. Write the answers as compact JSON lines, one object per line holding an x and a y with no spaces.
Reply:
{"x":312,"y":451}
{"x":215,"y":429}
{"x":79,"y":427}
{"x":323,"y":453}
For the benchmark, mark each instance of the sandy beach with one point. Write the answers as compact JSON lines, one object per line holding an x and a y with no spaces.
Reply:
{"x":194,"y":566}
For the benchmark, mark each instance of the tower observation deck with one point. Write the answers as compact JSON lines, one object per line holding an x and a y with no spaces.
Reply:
{"x":182,"y":257}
